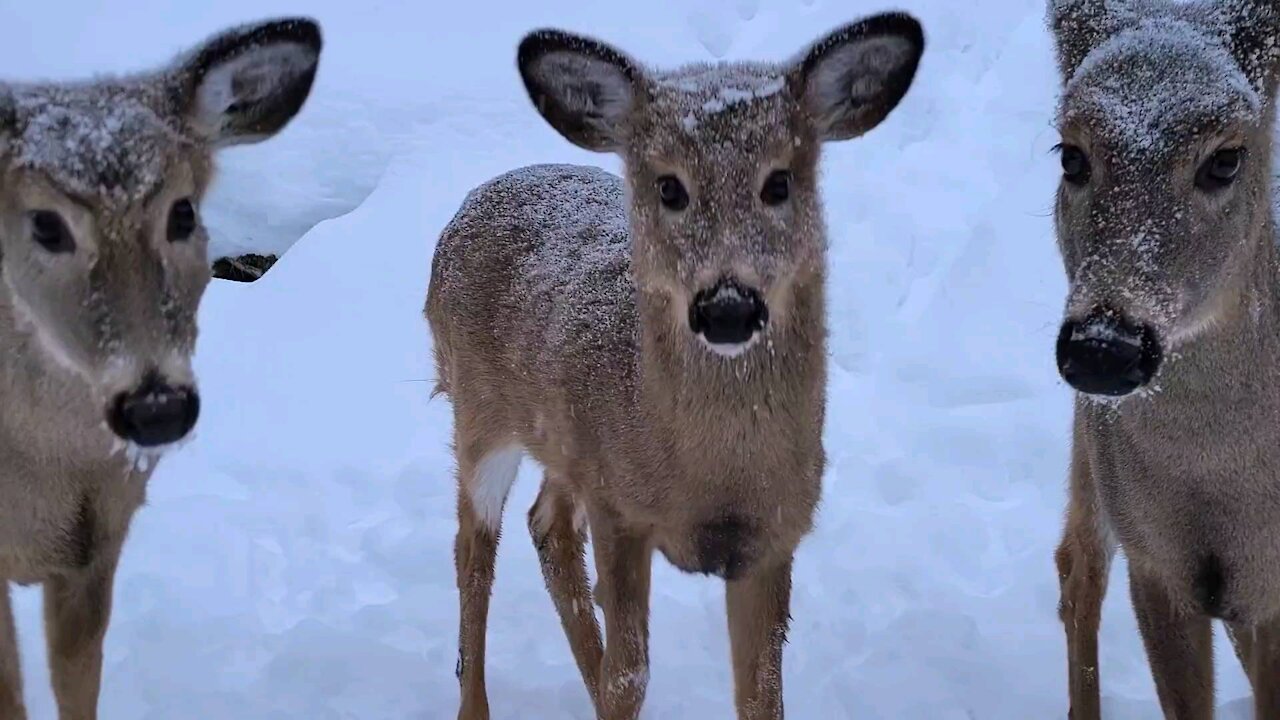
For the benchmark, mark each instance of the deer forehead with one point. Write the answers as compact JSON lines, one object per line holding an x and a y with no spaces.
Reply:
{"x":721,"y":110}
{"x":1150,"y":90}
{"x":106,"y":145}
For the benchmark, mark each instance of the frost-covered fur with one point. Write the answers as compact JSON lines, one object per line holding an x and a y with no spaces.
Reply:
{"x":559,"y":305}
{"x":108,"y":309}
{"x":1185,"y":477}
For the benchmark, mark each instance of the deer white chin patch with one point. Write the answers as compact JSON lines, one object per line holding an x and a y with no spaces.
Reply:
{"x":729,"y":350}
{"x":143,"y":459}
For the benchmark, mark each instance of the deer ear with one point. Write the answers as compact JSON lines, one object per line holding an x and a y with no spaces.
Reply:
{"x":245,"y":84}
{"x":1080,"y":26}
{"x":853,"y":78}
{"x":584,"y":88}
{"x":1252,"y":34}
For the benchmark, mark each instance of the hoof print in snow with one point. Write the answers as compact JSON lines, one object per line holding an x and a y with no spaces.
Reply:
{"x":245,"y":268}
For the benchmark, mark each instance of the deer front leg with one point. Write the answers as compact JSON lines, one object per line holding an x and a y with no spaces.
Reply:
{"x":1258,"y":647}
{"x":1084,"y":561}
{"x":561,"y":546}
{"x":1082,"y":573}
{"x":1179,"y":646}
{"x":77,"y":610}
{"x":759,"y":614}
{"x":11,"y":705}
{"x":624,"y":560}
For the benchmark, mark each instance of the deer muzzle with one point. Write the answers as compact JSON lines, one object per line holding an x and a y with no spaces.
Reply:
{"x":728,"y":316}
{"x":155,"y":413}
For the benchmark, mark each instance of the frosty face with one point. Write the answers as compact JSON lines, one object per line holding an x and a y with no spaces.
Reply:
{"x":725,"y":212}
{"x":1165,"y":155}
{"x":102,"y":253}
{"x":722,"y":161}
{"x":104,"y":258}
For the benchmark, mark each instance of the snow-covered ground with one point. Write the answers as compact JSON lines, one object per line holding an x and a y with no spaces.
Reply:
{"x":295,"y":559}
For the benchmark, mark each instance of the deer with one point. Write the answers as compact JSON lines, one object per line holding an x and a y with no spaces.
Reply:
{"x":103,"y":263}
{"x":655,"y":341}
{"x":1170,"y":338}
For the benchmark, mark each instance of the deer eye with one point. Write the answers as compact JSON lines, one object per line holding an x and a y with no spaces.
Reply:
{"x":182,"y":220}
{"x":50,"y":232}
{"x":777,"y":188}
{"x":1220,"y":169}
{"x":672,"y":193}
{"x":1075,"y":165}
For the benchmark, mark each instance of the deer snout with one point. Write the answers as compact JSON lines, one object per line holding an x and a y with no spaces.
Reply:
{"x":1107,"y":354}
{"x":154,"y":413}
{"x":727,"y":316}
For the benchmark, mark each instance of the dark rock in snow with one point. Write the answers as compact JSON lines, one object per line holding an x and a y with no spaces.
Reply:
{"x":245,"y":268}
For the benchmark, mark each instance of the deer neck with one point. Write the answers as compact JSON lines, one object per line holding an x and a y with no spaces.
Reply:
{"x":774,"y":392}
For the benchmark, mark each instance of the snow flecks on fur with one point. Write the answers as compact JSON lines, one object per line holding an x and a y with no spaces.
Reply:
{"x":768,"y":677}
{"x":701,"y":91}
{"x":96,"y":141}
{"x":636,"y":681}
{"x":573,"y":272}
{"x":1158,"y":81}
{"x":1247,"y":27}
{"x":731,"y":95}
{"x":1151,"y":87}
{"x":582,"y":262}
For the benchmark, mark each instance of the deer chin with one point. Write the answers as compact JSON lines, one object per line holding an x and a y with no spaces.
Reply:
{"x":729,"y":351}
{"x":143,"y":459}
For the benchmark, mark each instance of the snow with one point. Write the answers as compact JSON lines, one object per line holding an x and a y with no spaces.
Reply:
{"x":295,"y":559}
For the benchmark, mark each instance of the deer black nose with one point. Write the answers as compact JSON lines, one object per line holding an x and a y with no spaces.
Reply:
{"x":728,"y":313}
{"x":1107,"y":354}
{"x":155,"y":413}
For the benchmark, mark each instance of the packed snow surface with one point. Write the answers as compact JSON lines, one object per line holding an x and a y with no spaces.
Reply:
{"x":295,"y":559}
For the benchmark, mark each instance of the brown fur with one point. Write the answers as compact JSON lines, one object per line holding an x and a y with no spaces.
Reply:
{"x":110,"y":158}
{"x":1181,"y":475}
{"x":559,"y":305}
